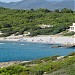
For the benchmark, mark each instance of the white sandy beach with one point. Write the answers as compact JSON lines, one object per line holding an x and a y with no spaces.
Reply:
{"x":49,"y":39}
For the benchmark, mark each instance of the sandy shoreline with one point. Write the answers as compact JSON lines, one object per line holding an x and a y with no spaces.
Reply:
{"x":48,"y":39}
{"x":52,"y":39}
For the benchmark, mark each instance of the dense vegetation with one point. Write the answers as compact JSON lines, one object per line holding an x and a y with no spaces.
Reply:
{"x":69,"y":33}
{"x":18,"y":21}
{"x":65,"y":66}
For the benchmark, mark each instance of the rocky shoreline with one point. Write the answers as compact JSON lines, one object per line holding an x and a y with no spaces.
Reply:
{"x":64,"y":46}
{"x":10,"y":63}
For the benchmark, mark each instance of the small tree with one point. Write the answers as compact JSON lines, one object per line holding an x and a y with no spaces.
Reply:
{"x":56,"y":10}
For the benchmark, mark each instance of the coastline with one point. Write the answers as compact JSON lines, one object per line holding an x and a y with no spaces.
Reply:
{"x":47,"y":39}
{"x":10,"y":63}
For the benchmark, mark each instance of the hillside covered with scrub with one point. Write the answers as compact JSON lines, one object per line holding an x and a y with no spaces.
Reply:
{"x":44,"y":66}
{"x":14,"y":21}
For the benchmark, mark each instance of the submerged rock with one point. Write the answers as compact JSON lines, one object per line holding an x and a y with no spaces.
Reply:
{"x":61,"y":46}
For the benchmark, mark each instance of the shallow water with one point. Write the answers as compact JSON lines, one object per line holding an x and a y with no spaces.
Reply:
{"x":15,"y":51}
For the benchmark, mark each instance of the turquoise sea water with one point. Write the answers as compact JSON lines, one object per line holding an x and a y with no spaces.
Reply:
{"x":15,"y":51}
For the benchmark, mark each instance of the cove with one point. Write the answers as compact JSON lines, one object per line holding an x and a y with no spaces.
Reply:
{"x":24,"y":51}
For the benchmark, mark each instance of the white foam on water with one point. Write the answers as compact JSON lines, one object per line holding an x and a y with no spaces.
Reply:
{"x":2,"y":43}
{"x":21,"y":44}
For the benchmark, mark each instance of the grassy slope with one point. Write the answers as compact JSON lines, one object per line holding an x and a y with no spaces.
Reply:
{"x":70,"y":70}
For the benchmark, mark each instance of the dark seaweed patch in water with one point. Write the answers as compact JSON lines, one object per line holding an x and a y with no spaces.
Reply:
{"x":71,"y":48}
